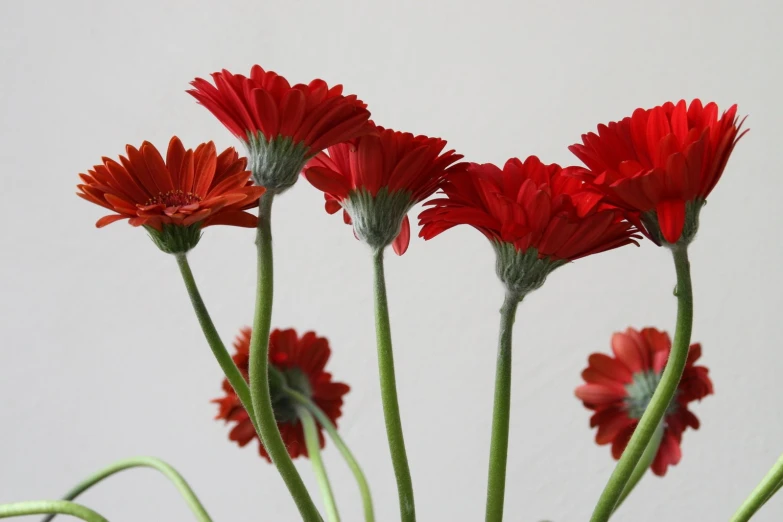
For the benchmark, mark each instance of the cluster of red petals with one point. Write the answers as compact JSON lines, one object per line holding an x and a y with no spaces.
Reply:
{"x":605,"y":392}
{"x":309,"y":354}
{"x":312,"y":114}
{"x":187,"y":187}
{"x":659,"y":159}
{"x":396,"y":161}
{"x":530,"y":205}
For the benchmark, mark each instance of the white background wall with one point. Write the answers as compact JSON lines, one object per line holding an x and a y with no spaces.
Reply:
{"x":101,"y":357}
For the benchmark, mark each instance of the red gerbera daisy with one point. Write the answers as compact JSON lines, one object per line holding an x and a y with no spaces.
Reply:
{"x":173,"y":199}
{"x":377,"y":178}
{"x":619,"y":388}
{"x":282,"y":126}
{"x":536,"y":216}
{"x":300,"y":361}
{"x":661,"y":164}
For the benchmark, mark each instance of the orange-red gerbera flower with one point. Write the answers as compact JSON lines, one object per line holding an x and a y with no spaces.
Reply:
{"x":282,"y":126}
{"x":301,"y":362}
{"x":173,"y":198}
{"x":619,"y":388}
{"x":661,"y":164}
{"x":377,"y":178}
{"x":535,"y":215}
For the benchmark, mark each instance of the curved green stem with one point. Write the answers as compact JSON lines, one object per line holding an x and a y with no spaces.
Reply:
{"x":169,"y":472}
{"x":763,"y":492}
{"x":259,"y":368}
{"x":498,"y":450}
{"x":222,"y":356}
{"x":391,"y":408}
{"x":663,"y":395}
{"x":313,"y":444}
{"x":644,"y":464}
{"x":353,"y":464}
{"x":43,"y":507}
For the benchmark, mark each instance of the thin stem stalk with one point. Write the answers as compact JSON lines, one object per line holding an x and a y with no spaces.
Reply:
{"x":498,"y":451}
{"x":314,"y":453}
{"x":44,"y":507}
{"x":769,"y":485}
{"x":662,"y":397}
{"x":259,"y":368}
{"x":168,"y":471}
{"x":644,"y":464}
{"x":391,"y":408}
{"x":353,"y":464}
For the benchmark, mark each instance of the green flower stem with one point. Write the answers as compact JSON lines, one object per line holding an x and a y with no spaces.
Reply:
{"x":222,"y":356}
{"x":498,"y":450}
{"x":44,"y":507}
{"x":644,"y":464}
{"x":313,"y":444}
{"x":259,"y":368}
{"x":763,"y":492}
{"x":391,"y":408}
{"x":142,"y":462}
{"x":331,"y":429}
{"x":663,"y":395}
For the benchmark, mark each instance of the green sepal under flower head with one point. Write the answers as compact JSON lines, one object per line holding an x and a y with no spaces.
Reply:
{"x":689,"y":229}
{"x":280,"y":381}
{"x":377,"y":220}
{"x":175,"y":239}
{"x":522,"y":272}
{"x":275,"y":163}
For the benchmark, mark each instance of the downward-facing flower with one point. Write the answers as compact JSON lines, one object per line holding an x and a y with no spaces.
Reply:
{"x":660,"y":164}
{"x":619,"y":388}
{"x":536,"y":216}
{"x":282,"y":126}
{"x":377,"y":178}
{"x":173,"y":198}
{"x":296,"y":363}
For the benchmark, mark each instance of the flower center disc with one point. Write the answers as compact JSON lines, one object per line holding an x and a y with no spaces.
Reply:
{"x":174,"y":198}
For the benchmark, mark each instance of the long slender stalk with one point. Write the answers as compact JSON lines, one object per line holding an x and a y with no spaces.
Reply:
{"x":663,"y":395}
{"x":353,"y":464}
{"x":391,"y":408}
{"x":222,"y":356}
{"x":644,"y":464}
{"x":314,"y":453}
{"x":259,"y":368}
{"x":498,"y":450}
{"x":44,"y":507}
{"x":169,"y":472}
{"x":769,"y":485}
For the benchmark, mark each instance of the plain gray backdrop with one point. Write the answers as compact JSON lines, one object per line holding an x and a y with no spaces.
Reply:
{"x":101,"y":357}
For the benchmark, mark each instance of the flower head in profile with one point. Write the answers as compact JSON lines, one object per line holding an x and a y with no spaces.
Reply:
{"x":173,"y":198}
{"x":377,"y":178}
{"x":282,"y":126}
{"x":297,"y":362}
{"x":660,"y":164}
{"x":537,"y":218}
{"x":618,"y":388}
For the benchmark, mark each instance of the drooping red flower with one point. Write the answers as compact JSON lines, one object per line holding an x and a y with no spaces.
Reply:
{"x":619,"y":388}
{"x":301,"y":361}
{"x":660,"y":164}
{"x":377,"y":178}
{"x":529,"y":205}
{"x":282,"y":125}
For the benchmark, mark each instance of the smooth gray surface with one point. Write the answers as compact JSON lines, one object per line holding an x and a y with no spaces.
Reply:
{"x":101,"y":357}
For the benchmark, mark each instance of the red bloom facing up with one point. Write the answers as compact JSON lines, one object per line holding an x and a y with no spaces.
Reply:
{"x":282,"y":126}
{"x":173,"y":199}
{"x":536,"y":216}
{"x":619,"y":388}
{"x":378,"y":178}
{"x":301,"y":362}
{"x":661,"y":164}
